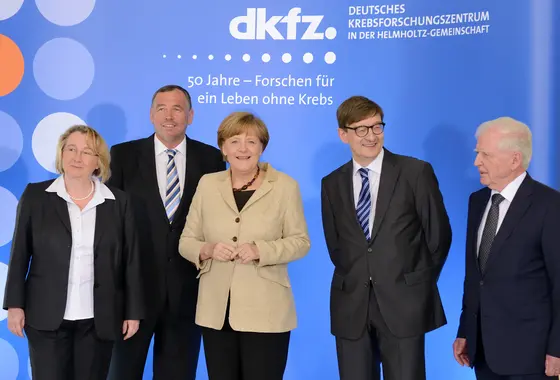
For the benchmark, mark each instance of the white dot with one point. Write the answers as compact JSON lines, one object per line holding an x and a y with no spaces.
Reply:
{"x":63,"y":68}
{"x":3,"y":276}
{"x":308,"y":58}
{"x":9,"y":8}
{"x":179,"y":56}
{"x":65,"y":12}
{"x":194,"y":56}
{"x":330,"y":33}
{"x":210,"y":57}
{"x":286,"y":57}
{"x":11,"y":143}
{"x":46,"y":134}
{"x":228,"y":57}
{"x":246,"y":57}
{"x":8,"y":216}
{"x":165,"y":56}
{"x":266,"y":57}
{"x":330,"y":57}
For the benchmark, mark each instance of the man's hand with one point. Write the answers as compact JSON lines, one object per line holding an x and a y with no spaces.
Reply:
{"x":130,"y":328}
{"x":552,"y":366}
{"x":16,"y":321}
{"x":460,"y":351}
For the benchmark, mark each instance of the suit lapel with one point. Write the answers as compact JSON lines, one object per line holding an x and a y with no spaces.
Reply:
{"x":263,"y":189}
{"x":62,"y":211}
{"x":147,"y":168}
{"x":479,"y":205}
{"x":226,"y":191}
{"x":516,"y":210}
{"x":102,"y":219}
{"x":346,"y":185}
{"x":389,"y":175}
{"x":191,"y":175}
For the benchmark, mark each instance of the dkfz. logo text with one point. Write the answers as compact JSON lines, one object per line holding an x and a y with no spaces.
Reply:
{"x":258,"y":26}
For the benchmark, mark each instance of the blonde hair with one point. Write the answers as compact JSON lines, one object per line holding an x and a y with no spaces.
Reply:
{"x":516,"y":136}
{"x":237,"y":123}
{"x":95,"y":142}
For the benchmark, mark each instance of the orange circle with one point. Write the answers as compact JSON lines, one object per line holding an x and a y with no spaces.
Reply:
{"x":11,"y":65}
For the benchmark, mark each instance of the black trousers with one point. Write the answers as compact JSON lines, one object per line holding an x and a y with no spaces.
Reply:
{"x":401,"y":359}
{"x":72,"y":352}
{"x":484,"y":372}
{"x":234,"y":355}
{"x":176,"y":349}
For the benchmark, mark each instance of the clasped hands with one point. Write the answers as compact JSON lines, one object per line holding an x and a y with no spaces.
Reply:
{"x":245,"y":253}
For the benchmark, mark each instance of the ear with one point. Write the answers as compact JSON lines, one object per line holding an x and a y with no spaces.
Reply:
{"x":517,"y":160}
{"x":190,"y":116}
{"x":343,"y":134}
{"x":152,"y":115}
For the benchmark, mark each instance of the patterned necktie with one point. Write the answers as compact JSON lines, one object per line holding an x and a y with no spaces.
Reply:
{"x":363,"y":209}
{"x":489,"y":231}
{"x":172,"y":193}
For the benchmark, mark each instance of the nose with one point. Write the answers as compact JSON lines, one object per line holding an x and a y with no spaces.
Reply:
{"x":477,"y":160}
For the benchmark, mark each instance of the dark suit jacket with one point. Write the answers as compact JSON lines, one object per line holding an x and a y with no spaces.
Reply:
{"x":165,"y":273}
{"x":43,"y":235}
{"x":410,"y":241}
{"x":517,"y":300}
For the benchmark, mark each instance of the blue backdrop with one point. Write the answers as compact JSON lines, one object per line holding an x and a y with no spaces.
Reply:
{"x":438,"y":68}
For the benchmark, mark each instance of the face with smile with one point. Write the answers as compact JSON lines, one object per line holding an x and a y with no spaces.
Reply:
{"x":170,"y":114}
{"x":243,"y":151}
{"x":79,"y":160}
{"x":365,"y":147}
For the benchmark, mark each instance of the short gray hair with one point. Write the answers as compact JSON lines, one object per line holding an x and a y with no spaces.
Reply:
{"x":517,"y":136}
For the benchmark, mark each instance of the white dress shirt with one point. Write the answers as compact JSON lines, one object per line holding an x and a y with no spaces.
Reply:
{"x":508,"y":193}
{"x":161,"y":165}
{"x":79,"y":299}
{"x":374,"y":174}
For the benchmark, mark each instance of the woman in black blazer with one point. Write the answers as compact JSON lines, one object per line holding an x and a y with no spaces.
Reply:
{"x":74,"y":283}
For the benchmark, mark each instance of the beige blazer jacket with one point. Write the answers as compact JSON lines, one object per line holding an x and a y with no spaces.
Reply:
{"x":261,"y":295}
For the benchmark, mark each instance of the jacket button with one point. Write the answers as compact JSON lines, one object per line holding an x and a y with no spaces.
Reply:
{"x":96,"y":285}
{"x":366,"y":284}
{"x":370,"y":250}
{"x":234,"y":238}
{"x":481,"y":283}
{"x":237,"y":220}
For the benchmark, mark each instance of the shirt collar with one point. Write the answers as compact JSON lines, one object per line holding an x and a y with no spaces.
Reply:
{"x":511,"y":189}
{"x":101,"y":191}
{"x":160,"y":148}
{"x":374,"y":165}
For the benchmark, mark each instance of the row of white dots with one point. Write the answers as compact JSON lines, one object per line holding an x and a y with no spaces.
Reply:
{"x":329,"y":57}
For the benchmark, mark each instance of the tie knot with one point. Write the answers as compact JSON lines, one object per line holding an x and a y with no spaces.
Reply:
{"x":171,"y":152}
{"x":497,"y":199}
{"x":363,"y":173}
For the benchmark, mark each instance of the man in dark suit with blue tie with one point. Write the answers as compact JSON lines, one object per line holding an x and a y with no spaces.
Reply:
{"x":388,"y":236}
{"x":510,"y":322}
{"x":161,"y":173}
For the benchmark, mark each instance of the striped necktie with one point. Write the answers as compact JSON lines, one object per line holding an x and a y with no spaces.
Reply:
{"x":172,"y":194}
{"x":363,"y":209}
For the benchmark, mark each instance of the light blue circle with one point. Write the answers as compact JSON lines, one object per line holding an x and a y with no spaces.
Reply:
{"x":8,"y":216}
{"x":10,"y":361}
{"x":65,"y":12}
{"x":11,"y":143}
{"x":63,"y":68}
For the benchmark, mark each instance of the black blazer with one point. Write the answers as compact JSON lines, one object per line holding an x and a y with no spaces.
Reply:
{"x":43,"y":236}
{"x":517,"y":300}
{"x":410,"y":241}
{"x":165,"y":273}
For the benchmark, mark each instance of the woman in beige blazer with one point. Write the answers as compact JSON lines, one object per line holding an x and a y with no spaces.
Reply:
{"x":244,"y":226}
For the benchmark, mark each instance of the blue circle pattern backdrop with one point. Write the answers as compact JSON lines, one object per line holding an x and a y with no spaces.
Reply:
{"x":438,"y":68}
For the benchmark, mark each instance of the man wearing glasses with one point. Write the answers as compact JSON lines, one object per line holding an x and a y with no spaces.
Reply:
{"x":388,"y":236}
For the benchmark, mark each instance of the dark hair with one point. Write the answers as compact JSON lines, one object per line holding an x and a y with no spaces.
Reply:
{"x":173,"y":87}
{"x":357,"y":108}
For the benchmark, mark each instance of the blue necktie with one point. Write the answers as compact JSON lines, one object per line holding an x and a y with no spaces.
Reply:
{"x":363,"y":209}
{"x":172,"y":194}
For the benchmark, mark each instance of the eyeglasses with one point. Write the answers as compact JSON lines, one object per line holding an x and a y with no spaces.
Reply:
{"x":362,"y":131}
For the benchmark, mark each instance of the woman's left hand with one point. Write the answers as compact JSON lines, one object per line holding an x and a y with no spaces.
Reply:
{"x":246,"y":253}
{"x":130,"y":328}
